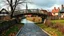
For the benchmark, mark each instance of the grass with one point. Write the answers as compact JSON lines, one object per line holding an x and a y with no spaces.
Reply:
{"x":60,"y":21}
{"x":50,"y":30}
{"x":41,"y":26}
{"x":13,"y":29}
{"x":0,"y":24}
{"x":53,"y":31}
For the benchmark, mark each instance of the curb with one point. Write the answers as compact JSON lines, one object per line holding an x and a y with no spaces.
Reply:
{"x":18,"y":32}
{"x":46,"y":32}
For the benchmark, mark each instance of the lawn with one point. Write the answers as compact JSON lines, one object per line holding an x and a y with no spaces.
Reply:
{"x":60,"y":21}
{"x":52,"y":31}
{"x":12,"y":30}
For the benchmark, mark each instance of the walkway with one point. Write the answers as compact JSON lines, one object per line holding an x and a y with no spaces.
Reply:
{"x":30,"y":29}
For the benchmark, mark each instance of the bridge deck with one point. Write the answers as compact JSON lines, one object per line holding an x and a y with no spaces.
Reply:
{"x":39,"y":14}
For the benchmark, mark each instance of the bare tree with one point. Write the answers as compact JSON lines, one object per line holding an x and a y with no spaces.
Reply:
{"x":13,"y":4}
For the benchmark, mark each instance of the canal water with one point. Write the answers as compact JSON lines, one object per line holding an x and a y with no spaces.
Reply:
{"x":30,"y":29}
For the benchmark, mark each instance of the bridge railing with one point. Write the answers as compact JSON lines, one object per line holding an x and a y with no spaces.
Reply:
{"x":32,"y":12}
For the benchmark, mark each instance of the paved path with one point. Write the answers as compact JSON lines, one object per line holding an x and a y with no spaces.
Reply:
{"x":30,"y":29}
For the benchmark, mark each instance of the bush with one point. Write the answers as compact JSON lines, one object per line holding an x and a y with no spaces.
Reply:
{"x":48,"y":23}
{"x":57,"y":25}
{"x":62,"y":29}
{"x":7,"y":24}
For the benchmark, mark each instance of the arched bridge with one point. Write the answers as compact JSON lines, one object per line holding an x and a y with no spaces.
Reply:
{"x":43,"y":16}
{"x":39,"y":14}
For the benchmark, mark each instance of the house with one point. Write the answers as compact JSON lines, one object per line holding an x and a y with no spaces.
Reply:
{"x":50,"y":16}
{"x":43,"y":11}
{"x":62,"y":12}
{"x":55,"y":11}
{"x":4,"y":14}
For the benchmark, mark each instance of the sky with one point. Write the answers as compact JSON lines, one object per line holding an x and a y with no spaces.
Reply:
{"x":39,"y":4}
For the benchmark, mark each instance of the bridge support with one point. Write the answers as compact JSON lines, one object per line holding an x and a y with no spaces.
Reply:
{"x":44,"y":21}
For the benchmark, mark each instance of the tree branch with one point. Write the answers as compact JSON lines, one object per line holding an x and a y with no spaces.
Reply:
{"x":16,"y":3}
{"x":8,"y":1}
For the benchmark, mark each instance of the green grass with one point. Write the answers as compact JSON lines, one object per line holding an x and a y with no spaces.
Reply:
{"x":54,"y":31}
{"x":54,"y":21}
{"x":49,"y":29}
{"x":0,"y":24}
{"x":11,"y":30}
{"x":41,"y":26}
{"x":58,"y":21}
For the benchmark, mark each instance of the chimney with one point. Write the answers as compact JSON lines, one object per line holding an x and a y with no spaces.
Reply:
{"x":55,"y":8}
{"x":58,"y":8}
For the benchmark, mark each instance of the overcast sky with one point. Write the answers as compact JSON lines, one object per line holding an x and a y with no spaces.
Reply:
{"x":44,"y":4}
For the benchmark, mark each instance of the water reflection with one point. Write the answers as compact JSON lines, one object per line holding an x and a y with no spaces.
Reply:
{"x":26,"y":21}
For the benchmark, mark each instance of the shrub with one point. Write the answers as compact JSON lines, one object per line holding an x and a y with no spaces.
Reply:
{"x":48,"y":23}
{"x":62,"y":29}
{"x":57,"y":25}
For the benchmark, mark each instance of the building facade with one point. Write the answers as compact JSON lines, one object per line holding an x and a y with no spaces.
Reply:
{"x":4,"y":15}
{"x":62,"y":12}
{"x":55,"y":11}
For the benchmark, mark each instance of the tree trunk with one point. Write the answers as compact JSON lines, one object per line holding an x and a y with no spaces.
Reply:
{"x":12,"y":11}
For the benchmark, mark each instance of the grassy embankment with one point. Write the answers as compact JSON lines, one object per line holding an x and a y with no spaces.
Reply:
{"x":53,"y":32}
{"x":12,"y":31}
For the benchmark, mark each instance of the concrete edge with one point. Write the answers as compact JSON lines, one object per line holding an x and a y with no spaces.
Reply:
{"x":46,"y":32}
{"x":18,"y":32}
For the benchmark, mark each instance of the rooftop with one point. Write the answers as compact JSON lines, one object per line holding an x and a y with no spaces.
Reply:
{"x":62,"y":11}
